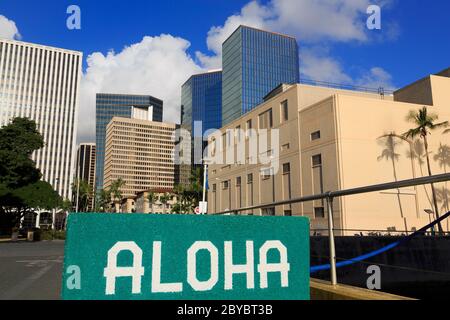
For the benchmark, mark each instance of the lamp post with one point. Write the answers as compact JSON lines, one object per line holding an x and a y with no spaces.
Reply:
{"x":54,"y":209}
{"x":203,"y":208}
{"x":431,"y":212}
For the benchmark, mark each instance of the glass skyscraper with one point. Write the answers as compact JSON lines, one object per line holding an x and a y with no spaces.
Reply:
{"x":201,"y":100}
{"x":254,"y":63}
{"x":118,"y":105}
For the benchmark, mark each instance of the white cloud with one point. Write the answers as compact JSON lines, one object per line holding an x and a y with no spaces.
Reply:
{"x":156,"y":66}
{"x":310,"y":21}
{"x":376,"y":77}
{"x":159,"y":65}
{"x":318,"y":65}
{"x":8,"y":29}
{"x":314,"y":23}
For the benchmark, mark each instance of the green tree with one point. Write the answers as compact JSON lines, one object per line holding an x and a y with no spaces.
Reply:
{"x":21,"y":190}
{"x":164,"y":199}
{"x":82,"y":191}
{"x":115,"y":190}
{"x":425,"y":122}
{"x":103,"y":200}
{"x":189,"y":196}
{"x":152,"y":197}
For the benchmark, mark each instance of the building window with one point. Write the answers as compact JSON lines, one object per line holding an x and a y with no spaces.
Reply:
{"x":317,"y":160}
{"x":238,"y":181}
{"x":268,"y":211}
{"x":238,"y":134}
{"x":250,"y":178}
{"x":249,"y":128}
{"x":228,"y":138}
{"x":213,"y":147}
{"x":225,"y":185}
{"x":266,"y":173}
{"x":266,"y":120}
{"x":286,"y":168}
{"x":214,"y":188}
{"x":319,"y":212}
{"x":284,"y":111}
{"x":288,"y":213}
{"x":315,"y":135}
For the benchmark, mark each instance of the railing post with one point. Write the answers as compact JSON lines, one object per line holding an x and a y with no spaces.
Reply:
{"x":331,"y":241}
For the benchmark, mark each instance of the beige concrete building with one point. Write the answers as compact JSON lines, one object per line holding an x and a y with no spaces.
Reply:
{"x":331,"y":139}
{"x":127,"y":205}
{"x":143,"y":205}
{"x":141,"y":153}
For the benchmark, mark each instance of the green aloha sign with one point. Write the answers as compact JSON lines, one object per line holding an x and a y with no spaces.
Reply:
{"x":186,"y":257}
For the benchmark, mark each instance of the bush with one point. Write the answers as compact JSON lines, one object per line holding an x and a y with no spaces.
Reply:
{"x":53,"y":235}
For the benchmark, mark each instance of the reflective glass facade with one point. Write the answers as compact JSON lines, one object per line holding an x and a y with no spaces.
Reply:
{"x":117,"y":105}
{"x":201,"y":100}
{"x":254,"y":63}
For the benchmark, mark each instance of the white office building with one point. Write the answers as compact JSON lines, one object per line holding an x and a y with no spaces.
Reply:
{"x":42,"y":83}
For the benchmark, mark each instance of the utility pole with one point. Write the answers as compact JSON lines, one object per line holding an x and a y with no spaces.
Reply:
{"x":205,"y":168}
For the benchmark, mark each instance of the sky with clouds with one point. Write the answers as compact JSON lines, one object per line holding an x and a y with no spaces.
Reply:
{"x":152,"y":47}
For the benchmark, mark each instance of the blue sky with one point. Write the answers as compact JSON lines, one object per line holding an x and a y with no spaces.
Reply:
{"x":335,"y":44}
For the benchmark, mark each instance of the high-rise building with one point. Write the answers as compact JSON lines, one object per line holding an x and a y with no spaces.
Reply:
{"x":119,"y":105}
{"x":141,"y":152}
{"x":42,"y":83}
{"x":201,"y":100}
{"x":254,"y":62}
{"x":85,"y":168}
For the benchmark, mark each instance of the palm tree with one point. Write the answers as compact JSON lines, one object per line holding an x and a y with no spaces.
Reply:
{"x":425,"y":122}
{"x":152,"y":197}
{"x":115,"y":190}
{"x":85,"y":192}
{"x":103,"y":200}
{"x":164,"y":199}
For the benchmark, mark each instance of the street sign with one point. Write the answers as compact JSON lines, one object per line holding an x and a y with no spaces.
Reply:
{"x":203,"y":207}
{"x":192,"y":257}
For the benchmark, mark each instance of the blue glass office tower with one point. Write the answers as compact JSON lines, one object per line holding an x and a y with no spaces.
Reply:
{"x":254,"y":62}
{"x":201,"y":100}
{"x":117,"y":105}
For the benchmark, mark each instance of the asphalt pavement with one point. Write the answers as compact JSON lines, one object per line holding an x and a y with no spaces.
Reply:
{"x":31,"y":270}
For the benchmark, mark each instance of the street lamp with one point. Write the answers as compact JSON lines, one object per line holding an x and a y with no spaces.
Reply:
{"x":54,"y":209}
{"x":430,"y":213}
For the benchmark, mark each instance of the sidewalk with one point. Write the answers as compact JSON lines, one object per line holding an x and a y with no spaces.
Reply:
{"x":3,"y":240}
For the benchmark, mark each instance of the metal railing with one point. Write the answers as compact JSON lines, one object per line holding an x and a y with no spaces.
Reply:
{"x":381,"y":91}
{"x":329,"y":196}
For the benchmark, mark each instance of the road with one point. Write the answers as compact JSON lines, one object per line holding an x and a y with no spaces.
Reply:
{"x":31,"y":270}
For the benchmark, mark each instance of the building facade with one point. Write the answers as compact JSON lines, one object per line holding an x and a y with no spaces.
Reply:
{"x":119,"y":105}
{"x":201,"y":103}
{"x":201,"y":100}
{"x":143,"y":205}
{"x":85,"y":168}
{"x":323,"y":139}
{"x":254,"y":62}
{"x":141,"y":152}
{"x":42,"y":83}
